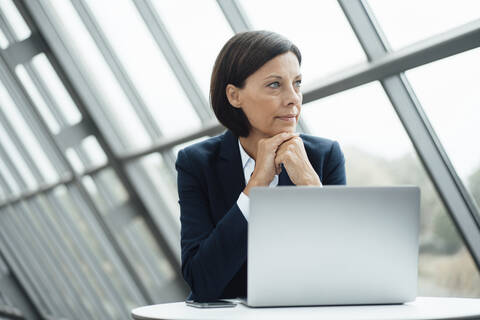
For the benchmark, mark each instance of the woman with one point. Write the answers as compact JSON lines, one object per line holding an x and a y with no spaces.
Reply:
{"x":255,"y":93}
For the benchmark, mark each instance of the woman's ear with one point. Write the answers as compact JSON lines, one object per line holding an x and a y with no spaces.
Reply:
{"x":233,"y":95}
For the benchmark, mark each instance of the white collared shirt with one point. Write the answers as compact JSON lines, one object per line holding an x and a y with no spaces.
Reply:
{"x":248,"y":165}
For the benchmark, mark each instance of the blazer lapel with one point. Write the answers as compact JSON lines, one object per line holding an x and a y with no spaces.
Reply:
{"x":229,"y":169}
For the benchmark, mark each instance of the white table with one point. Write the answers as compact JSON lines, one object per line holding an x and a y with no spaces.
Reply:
{"x":421,"y":308}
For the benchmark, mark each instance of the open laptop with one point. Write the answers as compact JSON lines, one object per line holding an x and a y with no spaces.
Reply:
{"x":332,"y":245}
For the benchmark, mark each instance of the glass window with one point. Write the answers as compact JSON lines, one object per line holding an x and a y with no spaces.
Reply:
{"x":109,"y":181}
{"x":318,"y":28}
{"x":448,"y":92}
{"x":106,"y":190}
{"x":199,"y":45}
{"x":7,"y":176}
{"x":162,"y":178}
{"x":117,"y":107}
{"x":94,"y":243}
{"x":37,"y":99}
{"x":43,"y":233}
{"x":74,"y":160}
{"x":25,"y":134}
{"x":62,"y":98}
{"x":145,"y":64}
{"x":147,"y":257}
{"x":407,"y":21}
{"x":378,"y":152}
{"x":155,"y":181}
{"x":3,"y":40}
{"x":35,"y":255}
{"x":3,"y":267}
{"x":17,"y":160}
{"x":16,"y":255}
{"x":97,"y":197}
{"x":89,"y":288}
{"x":93,"y":150}
{"x":15,"y":19}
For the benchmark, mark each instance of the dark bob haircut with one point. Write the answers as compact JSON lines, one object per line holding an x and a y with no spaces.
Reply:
{"x":240,"y":57}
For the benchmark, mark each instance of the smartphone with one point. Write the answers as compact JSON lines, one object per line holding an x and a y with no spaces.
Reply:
{"x":211,"y":304}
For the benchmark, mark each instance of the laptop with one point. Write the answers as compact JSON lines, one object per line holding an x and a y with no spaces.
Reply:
{"x":332,"y":245}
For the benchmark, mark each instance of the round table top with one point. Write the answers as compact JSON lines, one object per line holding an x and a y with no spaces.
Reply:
{"x":421,"y":308}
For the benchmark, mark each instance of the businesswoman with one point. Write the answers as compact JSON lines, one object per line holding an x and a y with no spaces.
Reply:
{"x":255,"y":93}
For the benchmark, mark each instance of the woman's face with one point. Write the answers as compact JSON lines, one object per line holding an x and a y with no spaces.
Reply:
{"x":271,"y":98}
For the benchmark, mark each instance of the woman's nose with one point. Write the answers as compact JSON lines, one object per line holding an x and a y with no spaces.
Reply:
{"x":293,"y":96}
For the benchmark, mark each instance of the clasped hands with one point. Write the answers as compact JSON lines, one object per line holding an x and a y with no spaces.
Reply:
{"x":284,"y":148}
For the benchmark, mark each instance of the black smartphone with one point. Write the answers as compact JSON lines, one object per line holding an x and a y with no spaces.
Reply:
{"x":211,"y":304}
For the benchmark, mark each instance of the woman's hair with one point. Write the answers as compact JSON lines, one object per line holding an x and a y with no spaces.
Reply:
{"x":240,"y":57}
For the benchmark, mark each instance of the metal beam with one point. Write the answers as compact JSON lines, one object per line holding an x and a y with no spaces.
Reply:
{"x":386,"y":63}
{"x":29,"y":194}
{"x":23,"y":51}
{"x":72,"y":136}
{"x":235,"y":15}
{"x":167,"y":143}
{"x":11,"y":312}
{"x":432,"y":154}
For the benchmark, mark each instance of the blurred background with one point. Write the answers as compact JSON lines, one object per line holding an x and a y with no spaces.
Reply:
{"x":98,"y":96}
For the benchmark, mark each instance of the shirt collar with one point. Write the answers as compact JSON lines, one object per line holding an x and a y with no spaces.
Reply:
{"x":244,"y":155}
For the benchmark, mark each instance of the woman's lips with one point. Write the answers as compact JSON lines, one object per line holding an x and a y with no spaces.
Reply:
{"x":288,"y":118}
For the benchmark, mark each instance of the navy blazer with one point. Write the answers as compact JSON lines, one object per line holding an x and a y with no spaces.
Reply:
{"x":213,"y":229}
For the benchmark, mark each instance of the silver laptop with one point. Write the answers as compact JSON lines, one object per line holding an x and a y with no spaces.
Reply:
{"x":334,"y":245}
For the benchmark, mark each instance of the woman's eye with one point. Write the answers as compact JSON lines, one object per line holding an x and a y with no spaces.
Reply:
{"x":298,"y":83}
{"x":275,"y":84}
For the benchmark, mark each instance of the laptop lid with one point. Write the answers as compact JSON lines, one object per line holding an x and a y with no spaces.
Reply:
{"x":332,"y":245}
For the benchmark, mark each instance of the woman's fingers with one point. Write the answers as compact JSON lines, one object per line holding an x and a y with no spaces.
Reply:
{"x":265,"y":164}
{"x":271,"y":144}
{"x":279,"y":141}
{"x":280,"y":138}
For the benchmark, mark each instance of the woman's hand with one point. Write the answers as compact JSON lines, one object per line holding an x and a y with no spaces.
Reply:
{"x":265,"y":168}
{"x":295,"y":160}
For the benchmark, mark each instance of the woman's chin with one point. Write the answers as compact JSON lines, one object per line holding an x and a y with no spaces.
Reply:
{"x":284,"y":129}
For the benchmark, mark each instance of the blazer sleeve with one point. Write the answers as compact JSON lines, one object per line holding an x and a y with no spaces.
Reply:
{"x":211,"y":254}
{"x":334,"y":167}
